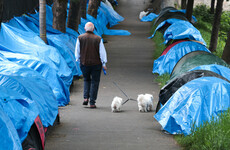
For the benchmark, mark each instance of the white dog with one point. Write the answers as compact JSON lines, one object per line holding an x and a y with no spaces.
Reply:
{"x":145,"y":102}
{"x":116,"y":104}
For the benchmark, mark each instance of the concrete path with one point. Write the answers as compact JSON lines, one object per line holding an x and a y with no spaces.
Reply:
{"x":130,"y":66}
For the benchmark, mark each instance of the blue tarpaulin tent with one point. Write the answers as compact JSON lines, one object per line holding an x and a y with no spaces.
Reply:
{"x":21,"y":110}
{"x":60,"y":90}
{"x":182,"y":30}
{"x":221,"y":70}
{"x":165,"y":63}
{"x":105,"y":15}
{"x":112,"y":16}
{"x":9,"y":137}
{"x":31,"y":84}
{"x":31,"y":44}
{"x":195,"y":102}
{"x":168,"y":21}
{"x":64,"y":43}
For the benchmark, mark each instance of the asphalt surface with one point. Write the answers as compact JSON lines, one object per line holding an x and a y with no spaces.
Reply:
{"x":130,"y":60}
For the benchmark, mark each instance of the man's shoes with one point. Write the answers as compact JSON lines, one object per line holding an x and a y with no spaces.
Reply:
{"x":93,"y":106}
{"x":85,"y":102}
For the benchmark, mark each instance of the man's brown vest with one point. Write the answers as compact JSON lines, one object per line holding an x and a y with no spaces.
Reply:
{"x":89,"y":49}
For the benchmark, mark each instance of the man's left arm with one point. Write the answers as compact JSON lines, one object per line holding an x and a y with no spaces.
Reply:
{"x":77,"y":51}
{"x":103,"y":55}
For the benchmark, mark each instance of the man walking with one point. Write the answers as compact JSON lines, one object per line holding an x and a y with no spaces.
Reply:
{"x":91,"y":54}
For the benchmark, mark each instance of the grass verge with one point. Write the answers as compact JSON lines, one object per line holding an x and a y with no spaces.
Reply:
{"x":213,"y":135}
{"x":162,"y":80}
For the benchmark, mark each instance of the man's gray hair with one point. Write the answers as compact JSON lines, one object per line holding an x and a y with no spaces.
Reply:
{"x":89,"y":26}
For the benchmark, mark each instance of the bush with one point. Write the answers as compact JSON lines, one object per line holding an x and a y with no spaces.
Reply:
{"x":224,"y":25}
{"x":203,"y":12}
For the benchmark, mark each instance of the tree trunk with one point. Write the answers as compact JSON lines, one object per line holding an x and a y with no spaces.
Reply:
{"x":189,"y":10}
{"x":74,"y":14}
{"x":83,"y":8}
{"x":212,"y":9}
{"x":183,"y":4}
{"x":1,"y":11}
{"x":216,"y":26}
{"x":93,"y":7}
{"x":42,"y":20}
{"x":226,"y":52}
{"x":59,"y":14}
{"x":167,"y":3}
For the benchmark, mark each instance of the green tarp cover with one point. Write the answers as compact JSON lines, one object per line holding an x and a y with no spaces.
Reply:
{"x":194,"y":59}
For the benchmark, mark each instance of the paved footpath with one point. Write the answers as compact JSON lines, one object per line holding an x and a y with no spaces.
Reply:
{"x":130,"y":66}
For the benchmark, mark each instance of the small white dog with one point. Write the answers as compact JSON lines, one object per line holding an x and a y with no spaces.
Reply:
{"x":145,"y":102}
{"x":116,"y":104}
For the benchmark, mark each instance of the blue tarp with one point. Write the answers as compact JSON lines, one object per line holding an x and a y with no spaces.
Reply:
{"x":165,"y":63}
{"x":150,"y":17}
{"x":182,"y":30}
{"x":60,"y":90}
{"x":112,"y":16}
{"x":31,"y":44}
{"x":221,"y":70}
{"x":31,"y":84}
{"x":105,"y":15}
{"x":100,"y":24}
{"x":63,"y":42}
{"x":168,"y":21}
{"x":194,"y":103}
{"x":21,"y":110}
{"x":9,"y":137}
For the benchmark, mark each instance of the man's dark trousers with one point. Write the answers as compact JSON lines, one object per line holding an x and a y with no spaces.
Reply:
{"x":91,"y":76}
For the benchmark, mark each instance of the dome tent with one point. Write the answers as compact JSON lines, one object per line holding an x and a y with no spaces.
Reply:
{"x":194,"y":59}
{"x":173,"y":85}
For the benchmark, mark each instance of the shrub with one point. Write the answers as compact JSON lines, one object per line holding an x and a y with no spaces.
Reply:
{"x":203,"y":12}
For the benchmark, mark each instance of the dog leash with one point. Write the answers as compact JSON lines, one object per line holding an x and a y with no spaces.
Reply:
{"x":123,"y":93}
{"x":120,"y":89}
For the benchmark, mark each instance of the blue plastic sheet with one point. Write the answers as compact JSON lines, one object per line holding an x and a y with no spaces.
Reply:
{"x":221,"y":70}
{"x":194,"y":103}
{"x":112,"y":16}
{"x":9,"y":136}
{"x":182,"y":30}
{"x":102,"y":22}
{"x":168,"y":21}
{"x":31,"y":84}
{"x":104,"y":16}
{"x":60,"y":90}
{"x":150,"y":17}
{"x":31,"y":44}
{"x":21,"y":110}
{"x":165,"y":63}
{"x":63,"y":42}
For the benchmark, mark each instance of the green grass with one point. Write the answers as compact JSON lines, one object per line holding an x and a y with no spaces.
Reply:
{"x":213,"y":135}
{"x":162,"y":80}
{"x":159,"y":45}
